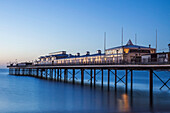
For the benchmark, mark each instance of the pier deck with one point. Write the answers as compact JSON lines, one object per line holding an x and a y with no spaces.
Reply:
{"x":119,"y":67}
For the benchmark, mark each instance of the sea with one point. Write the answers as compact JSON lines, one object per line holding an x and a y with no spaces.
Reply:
{"x":25,"y":94}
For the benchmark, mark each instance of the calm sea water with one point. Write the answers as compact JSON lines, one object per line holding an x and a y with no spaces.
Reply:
{"x":29,"y":94}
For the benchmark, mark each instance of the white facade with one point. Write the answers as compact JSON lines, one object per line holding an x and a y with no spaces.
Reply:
{"x":158,"y":57}
{"x":145,"y":58}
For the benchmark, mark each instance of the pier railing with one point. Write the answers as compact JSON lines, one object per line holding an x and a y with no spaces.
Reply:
{"x":90,"y":63}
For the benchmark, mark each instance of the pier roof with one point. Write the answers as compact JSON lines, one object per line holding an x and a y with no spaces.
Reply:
{"x":129,"y":45}
{"x":74,"y":56}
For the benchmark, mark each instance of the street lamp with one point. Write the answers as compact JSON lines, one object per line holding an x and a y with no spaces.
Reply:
{"x":139,"y":50}
{"x":169,"y":46}
{"x":75,"y":59}
{"x":139,"y":54}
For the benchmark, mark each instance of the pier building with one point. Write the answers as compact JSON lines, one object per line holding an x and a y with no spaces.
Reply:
{"x":128,"y":53}
{"x":163,"y":57}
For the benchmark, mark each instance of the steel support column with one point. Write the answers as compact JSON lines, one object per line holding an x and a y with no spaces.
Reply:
{"x":115,"y":80}
{"x":82,"y":76}
{"x":19,"y":71}
{"x":151,"y":87}
{"x":41,"y":73}
{"x":51,"y":74}
{"x":65,"y":75}
{"x":131,"y":80}
{"x":58,"y":74}
{"x":55,"y":73}
{"x":46,"y":73}
{"x":91,"y":75}
{"x":102,"y":77}
{"x":126,"y":80}
{"x":73,"y":76}
{"x":37,"y":72}
{"x":94,"y":77}
{"x":108,"y":79}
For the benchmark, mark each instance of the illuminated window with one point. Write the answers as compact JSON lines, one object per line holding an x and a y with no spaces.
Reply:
{"x":126,"y":50}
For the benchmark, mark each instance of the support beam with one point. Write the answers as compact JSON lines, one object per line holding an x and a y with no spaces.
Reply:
{"x":23,"y":71}
{"x":46,"y":73}
{"x":14,"y":71}
{"x":29,"y":72}
{"x":19,"y":71}
{"x":65,"y":75}
{"x":91,"y":75}
{"x":37,"y":72}
{"x":131,"y":80}
{"x":73,"y":76}
{"x":51,"y":74}
{"x":58,"y":74}
{"x":126,"y":80}
{"x":102,"y":77}
{"x":115,"y":80}
{"x":108,"y":79}
{"x":151,"y":87}
{"x":55,"y":73}
{"x":94,"y":77}
{"x":9,"y":71}
{"x":82,"y":76}
{"x":32,"y":72}
{"x":41,"y":73}
{"x":131,"y":94}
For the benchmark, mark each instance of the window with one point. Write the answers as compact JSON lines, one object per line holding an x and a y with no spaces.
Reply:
{"x":139,"y":51}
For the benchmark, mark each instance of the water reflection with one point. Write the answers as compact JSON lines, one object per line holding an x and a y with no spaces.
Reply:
{"x":123,"y":103}
{"x":25,"y":94}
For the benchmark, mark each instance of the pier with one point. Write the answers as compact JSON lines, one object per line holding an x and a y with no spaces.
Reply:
{"x":54,"y":72}
{"x":60,"y":73}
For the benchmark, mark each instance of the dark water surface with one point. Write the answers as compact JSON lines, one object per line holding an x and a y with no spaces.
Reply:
{"x":29,"y":94}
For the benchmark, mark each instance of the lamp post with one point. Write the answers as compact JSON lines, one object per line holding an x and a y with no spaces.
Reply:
{"x":169,"y":46}
{"x":75,"y":59}
{"x":117,"y":55}
{"x":139,"y":50}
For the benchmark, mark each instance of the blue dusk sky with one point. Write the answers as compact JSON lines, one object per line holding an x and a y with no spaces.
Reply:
{"x":30,"y":28}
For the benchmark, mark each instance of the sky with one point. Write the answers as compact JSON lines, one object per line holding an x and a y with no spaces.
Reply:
{"x":31,"y":28}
